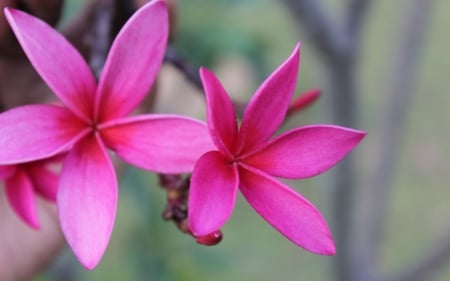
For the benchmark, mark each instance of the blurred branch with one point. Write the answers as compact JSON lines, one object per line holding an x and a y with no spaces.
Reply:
{"x":100,"y":35}
{"x":191,"y":73}
{"x":329,"y":37}
{"x":356,"y":14}
{"x":338,"y":45}
{"x":404,"y":73}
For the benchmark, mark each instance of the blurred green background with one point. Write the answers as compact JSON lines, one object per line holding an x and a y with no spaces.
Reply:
{"x":260,"y":34}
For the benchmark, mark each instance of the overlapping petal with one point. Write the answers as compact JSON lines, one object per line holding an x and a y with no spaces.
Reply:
{"x":45,"y":181}
{"x":87,"y":200}
{"x":221,"y":118}
{"x":267,"y":108}
{"x":20,"y":194}
{"x":288,"y":212}
{"x":133,"y":62}
{"x":161,"y":143}
{"x":56,"y":61}
{"x":214,"y":184}
{"x":306,"y":152}
{"x":34,"y":132}
{"x":7,"y":171}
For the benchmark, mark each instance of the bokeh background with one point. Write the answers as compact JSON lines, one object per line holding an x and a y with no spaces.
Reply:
{"x":243,"y":42}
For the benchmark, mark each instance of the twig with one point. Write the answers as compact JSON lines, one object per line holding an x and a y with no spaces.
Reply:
{"x":401,"y":93}
{"x":337,"y":43}
{"x":100,"y":36}
{"x":191,"y":73}
{"x":356,"y":14}
{"x":329,"y":37}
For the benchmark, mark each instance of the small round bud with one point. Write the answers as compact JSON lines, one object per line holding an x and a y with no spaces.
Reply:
{"x":210,"y":239}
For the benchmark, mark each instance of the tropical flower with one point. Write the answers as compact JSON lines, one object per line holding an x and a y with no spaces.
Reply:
{"x":93,"y":119}
{"x":23,"y":182}
{"x":249,"y":159}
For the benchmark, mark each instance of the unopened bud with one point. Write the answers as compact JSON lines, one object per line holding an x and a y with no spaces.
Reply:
{"x":304,"y":100}
{"x":210,"y":239}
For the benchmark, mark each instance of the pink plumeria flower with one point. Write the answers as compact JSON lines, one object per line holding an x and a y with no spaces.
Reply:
{"x":249,"y":159}
{"x":93,"y":119}
{"x":23,"y":182}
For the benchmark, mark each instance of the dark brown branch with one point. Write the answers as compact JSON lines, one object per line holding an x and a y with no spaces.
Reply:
{"x":100,"y":35}
{"x":404,"y":72}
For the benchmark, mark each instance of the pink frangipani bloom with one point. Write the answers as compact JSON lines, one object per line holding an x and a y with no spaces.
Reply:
{"x":23,"y":182}
{"x":249,"y":159}
{"x":93,"y":119}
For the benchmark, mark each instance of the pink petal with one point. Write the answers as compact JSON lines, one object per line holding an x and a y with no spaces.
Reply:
{"x":287,"y":211}
{"x":87,"y":200}
{"x":34,"y":132}
{"x":212,"y":194}
{"x":267,"y":109}
{"x":56,"y":61}
{"x":160,"y":143}
{"x":45,"y":181}
{"x":133,"y":62}
{"x":7,"y":171}
{"x":306,"y":152}
{"x":221,"y":117}
{"x":20,"y":194}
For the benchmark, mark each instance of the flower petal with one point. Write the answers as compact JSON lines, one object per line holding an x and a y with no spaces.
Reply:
{"x":7,"y":171}
{"x":45,"y":182}
{"x":87,"y":200}
{"x":56,"y":61}
{"x":34,"y":132}
{"x":306,"y":152}
{"x":212,"y":193}
{"x":133,"y":62}
{"x":160,"y":143}
{"x":20,"y":194}
{"x":287,"y":211}
{"x":221,"y":118}
{"x":267,"y":108}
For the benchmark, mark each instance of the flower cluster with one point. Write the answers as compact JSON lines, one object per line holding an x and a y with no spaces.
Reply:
{"x":93,"y":118}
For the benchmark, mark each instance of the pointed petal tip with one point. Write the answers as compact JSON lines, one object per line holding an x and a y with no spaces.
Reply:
{"x":360,"y":135}
{"x":296,"y":52}
{"x":89,"y":264}
{"x":331,"y":251}
{"x":8,"y":12}
{"x":273,"y":95}
{"x":326,"y":248}
{"x":87,"y":212}
{"x":35,"y":225}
